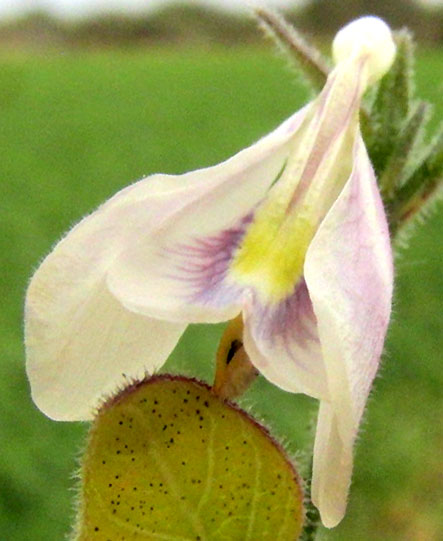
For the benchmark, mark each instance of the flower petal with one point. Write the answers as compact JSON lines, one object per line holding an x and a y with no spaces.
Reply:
{"x":348,"y":271}
{"x":282,"y":342}
{"x":79,"y":353}
{"x":79,"y":339}
{"x":74,"y":327}
{"x":332,"y":467}
{"x":178,"y":273}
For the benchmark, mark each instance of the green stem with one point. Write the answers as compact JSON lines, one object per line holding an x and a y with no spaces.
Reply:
{"x":313,"y":521}
{"x":313,"y":66}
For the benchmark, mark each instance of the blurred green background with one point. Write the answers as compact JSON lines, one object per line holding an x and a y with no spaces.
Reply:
{"x":77,"y":124}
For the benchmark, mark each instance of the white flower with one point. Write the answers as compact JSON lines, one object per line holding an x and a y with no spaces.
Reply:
{"x":290,"y":232}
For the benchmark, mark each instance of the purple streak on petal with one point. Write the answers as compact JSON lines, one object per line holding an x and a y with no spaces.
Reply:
{"x":203,"y":263}
{"x":282,"y":342}
{"x":288,"y":323}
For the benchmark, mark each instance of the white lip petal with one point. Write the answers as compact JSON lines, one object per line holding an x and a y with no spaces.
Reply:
{"x":73,"y":327}
{"x":79,"y":339}
{"x":348,"y":271}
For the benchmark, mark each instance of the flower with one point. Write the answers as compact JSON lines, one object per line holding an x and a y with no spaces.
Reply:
{"x":290,"y":233}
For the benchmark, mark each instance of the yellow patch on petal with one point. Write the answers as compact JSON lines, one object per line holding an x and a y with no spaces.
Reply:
{"x":272,"y":254}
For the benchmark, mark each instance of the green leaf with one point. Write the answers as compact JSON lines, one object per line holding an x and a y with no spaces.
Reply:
{"x":392,"y":103}
{"x":169,"y":460}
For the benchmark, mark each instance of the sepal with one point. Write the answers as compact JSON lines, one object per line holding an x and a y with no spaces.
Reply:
{"x":406,"y":146}
{"x":392,"y":104}
{"x":421,"y":189}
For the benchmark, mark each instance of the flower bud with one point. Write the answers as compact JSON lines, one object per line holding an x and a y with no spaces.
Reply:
{"x":367,"y":36}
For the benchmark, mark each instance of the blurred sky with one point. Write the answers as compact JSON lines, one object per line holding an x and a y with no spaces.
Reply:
{"x":78,"y":8}
{"x":69,"y":8}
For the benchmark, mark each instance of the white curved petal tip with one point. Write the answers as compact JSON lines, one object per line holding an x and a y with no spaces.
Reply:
{"x":332,"y":468}
{"x":369,"y":36}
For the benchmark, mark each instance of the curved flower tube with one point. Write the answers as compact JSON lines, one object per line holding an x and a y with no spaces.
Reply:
{"x":290,"y":233}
